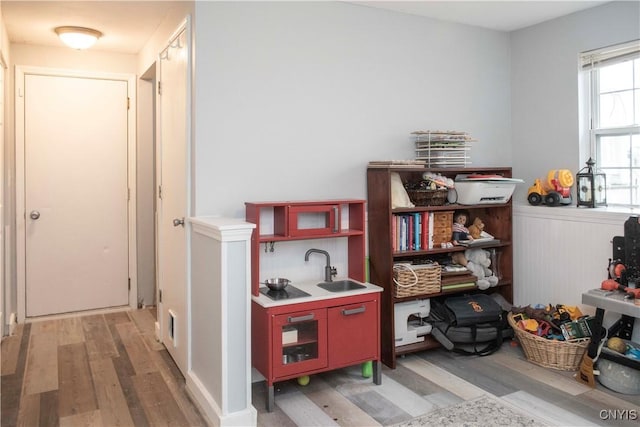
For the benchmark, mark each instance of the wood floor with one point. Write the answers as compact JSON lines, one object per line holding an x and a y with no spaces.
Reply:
{"x":108,"y":370}
{"x":97,"y":370}
{"x":435,"y":379}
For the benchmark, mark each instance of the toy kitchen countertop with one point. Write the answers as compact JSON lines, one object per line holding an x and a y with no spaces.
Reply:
{"x":307,"y":291}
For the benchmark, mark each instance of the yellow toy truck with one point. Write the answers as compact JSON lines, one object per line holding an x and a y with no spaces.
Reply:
{"x":555,"y":191}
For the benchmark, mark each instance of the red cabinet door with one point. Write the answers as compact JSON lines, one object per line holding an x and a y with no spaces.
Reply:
{"x":299,"y":342}
{"x":353,"y":333}
{"x":313,"y":220}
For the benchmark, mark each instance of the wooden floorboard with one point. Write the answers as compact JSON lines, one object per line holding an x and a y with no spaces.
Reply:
{"x":10,"y":352}
{"x":29,"y":411}
{"x":85,"y":419}
{"x":136,"y":349}
{"x":70,"y":331}
{"x":11,"y":385}
{"x":158,"y":403}
{"x":109,"y":394}
{"x":41,"y":372}
{"x":76,"y":391}
{"x":49,"y":403}
{"x":98,"y":337}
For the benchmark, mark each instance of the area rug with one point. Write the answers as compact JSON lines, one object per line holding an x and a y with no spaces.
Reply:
{"x":481,"y":412}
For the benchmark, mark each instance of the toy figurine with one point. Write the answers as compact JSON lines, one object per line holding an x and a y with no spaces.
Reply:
{"x":460,"y":230}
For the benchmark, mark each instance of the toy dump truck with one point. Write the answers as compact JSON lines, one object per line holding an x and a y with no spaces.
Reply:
{"x":555,"y":191}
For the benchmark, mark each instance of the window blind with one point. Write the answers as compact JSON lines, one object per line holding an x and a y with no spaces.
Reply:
{"x":610,"y":55}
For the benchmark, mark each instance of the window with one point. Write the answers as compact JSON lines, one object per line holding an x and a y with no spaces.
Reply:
{"x":614,"y":80}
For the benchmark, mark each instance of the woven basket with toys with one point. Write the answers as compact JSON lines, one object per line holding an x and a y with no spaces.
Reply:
{"x":553,"y":337}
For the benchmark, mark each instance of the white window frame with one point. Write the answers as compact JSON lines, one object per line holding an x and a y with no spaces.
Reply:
{"x":591,"y":62}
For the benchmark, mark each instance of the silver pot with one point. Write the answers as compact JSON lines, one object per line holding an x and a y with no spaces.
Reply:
{"x":277,"y":284}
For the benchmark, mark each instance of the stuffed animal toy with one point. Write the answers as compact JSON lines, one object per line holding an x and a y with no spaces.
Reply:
{"x":458,"y":258}
{"x":478,"y":263}
{"x":476,"y":228}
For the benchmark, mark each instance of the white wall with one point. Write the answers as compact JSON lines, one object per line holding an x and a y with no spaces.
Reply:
{"x":544,"y":85}
{"x":70,"y":59}
{"x":294,"y":98}
{"x":158,"y":41}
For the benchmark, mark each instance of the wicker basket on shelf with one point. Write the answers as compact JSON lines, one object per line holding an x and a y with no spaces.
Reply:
{"x":561,"y":355}
{"x":419,"y":279}
{"x":425,"y":197}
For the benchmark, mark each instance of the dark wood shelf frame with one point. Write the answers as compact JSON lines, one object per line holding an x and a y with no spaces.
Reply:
{"x":498,"y":222}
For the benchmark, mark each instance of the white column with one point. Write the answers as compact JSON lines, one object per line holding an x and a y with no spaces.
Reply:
{"x":219,"y":373}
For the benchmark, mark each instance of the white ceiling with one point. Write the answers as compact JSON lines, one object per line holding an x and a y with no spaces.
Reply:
{"x":128,"y":25}
{"x":501,"y":15}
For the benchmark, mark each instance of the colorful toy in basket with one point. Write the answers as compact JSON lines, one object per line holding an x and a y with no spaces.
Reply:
{"x":544,"y":346}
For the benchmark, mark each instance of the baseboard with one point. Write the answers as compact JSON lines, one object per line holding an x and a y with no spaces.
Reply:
{"x":212,"y":412}
{"x":13,"y":323}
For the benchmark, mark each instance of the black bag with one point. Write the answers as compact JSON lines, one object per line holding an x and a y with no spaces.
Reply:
{"x":475,"y":320}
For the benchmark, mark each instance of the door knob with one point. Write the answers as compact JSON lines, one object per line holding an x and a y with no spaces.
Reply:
{"x":34,"y":215}
{"x":178,"y":221}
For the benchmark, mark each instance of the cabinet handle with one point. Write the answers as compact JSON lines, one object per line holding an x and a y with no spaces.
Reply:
{"x":336,"y":220}
{"x":300,"y":318}
{"x":354,"y":311}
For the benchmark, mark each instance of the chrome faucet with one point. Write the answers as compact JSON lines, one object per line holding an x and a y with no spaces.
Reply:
{"x":329,"y":271}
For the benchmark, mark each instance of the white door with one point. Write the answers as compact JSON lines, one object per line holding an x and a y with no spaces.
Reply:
{"x":173,"y":198}
{"x":75,"y":194}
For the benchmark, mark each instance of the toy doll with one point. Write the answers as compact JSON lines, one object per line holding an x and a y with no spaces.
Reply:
{"x":460,"y":230}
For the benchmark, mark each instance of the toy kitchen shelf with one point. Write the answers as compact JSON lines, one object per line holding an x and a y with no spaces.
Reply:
{"x":498,"y":222}
{"x":287,"y":221}
{"x":320,"y":330}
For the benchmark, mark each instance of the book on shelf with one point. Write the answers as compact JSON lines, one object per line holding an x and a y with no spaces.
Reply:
{"x":424,"y":234}
{"x":458,"y":279}
{"x":458,"y":286}
{"x":412,"y":231}
{"x":453,"y":270}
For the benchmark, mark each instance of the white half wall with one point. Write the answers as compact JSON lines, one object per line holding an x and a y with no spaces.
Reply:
{"x":219,"y":373}
{"x":561,"y":252}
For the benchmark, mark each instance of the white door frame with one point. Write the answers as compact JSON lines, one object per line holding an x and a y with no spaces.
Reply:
{"x":20,"y":174}
{"x":3,"y":236}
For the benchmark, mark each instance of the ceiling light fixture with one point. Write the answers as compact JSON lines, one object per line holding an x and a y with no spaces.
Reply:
{"x":78,"y":37}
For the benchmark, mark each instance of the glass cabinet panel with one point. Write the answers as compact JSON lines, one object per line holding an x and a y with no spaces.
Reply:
{"x":300,"y":341}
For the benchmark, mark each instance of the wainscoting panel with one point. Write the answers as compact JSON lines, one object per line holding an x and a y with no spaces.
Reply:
{"x":561,"y":252}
